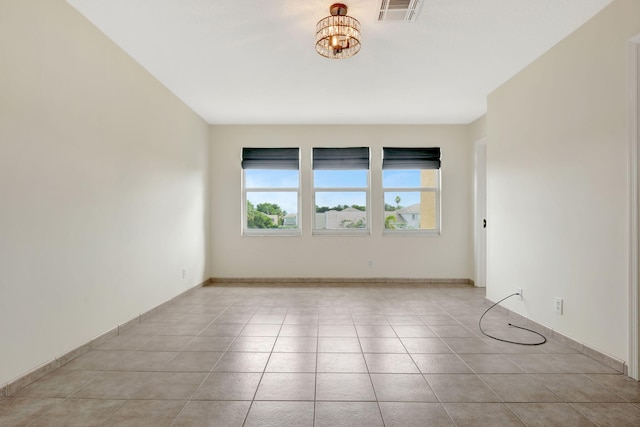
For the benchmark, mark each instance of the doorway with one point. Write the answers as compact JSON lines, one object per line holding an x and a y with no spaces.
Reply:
{"x":480,"y":213}
{"x":634,"y":198}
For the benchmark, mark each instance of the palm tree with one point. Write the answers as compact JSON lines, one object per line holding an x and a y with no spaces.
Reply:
{"x":390,"y":222}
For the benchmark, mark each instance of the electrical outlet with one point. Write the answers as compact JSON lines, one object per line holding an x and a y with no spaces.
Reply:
{"x":519,"y":292}
{"x":559,"y":305}
{"x":184,"y":273}
{"x":370,"y":264}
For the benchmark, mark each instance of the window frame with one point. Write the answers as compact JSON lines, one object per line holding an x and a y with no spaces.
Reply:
{"x":366,"y":190}
{"x":248,"y":232}
{"x":437,"y":189}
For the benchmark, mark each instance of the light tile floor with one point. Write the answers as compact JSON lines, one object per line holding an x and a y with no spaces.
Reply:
{"x":326,"y":356}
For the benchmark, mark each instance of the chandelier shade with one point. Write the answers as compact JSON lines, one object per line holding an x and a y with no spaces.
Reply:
{"x":338,"y":35}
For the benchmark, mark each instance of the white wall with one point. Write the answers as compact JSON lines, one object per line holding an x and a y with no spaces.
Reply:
{"x":103,"y":182}
{"x":558,"y":186}
{"x":477,"y":129}
{"x":447,"y":256}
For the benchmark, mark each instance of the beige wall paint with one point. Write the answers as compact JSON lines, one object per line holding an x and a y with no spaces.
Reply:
{"x":478,"y":129}
{"x":558,"y":186}
{"x":445,"y":256}
{"x":103,"y":182}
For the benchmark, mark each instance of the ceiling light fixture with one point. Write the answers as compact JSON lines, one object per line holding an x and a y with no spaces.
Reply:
{"x":338,"y":35}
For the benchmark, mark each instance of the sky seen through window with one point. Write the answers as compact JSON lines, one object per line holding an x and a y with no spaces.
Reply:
{"x":289,"y":179}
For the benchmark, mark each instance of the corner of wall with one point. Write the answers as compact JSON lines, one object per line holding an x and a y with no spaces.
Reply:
{"x":477,"y":129}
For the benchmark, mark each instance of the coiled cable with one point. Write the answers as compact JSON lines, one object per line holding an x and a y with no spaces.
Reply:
{"x":544,"y":339}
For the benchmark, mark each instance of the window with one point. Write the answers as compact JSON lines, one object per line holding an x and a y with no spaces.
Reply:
{"x":271,"y":191}
{"x":411,"y":190}
{"x":341,"y":190}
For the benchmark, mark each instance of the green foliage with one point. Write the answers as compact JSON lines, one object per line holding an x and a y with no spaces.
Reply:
{"x":257,"y":219}
{"x":388,"y":207}
{"x":270,"y":209}
{"x":390,"y":222}
{"x":322,"y":209}
{"x":351,"y":224}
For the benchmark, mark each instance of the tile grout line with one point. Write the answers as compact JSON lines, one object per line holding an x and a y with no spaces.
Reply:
{"x":461,"y":319}
{"x":502,"y":401}
{"x":255,"y":393}
{"x":422,"y":374}
{"x":190,"y":399}
{"x":315,"y":381}
{"x":368,"y":370}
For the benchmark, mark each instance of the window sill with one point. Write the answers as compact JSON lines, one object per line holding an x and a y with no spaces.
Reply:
{"x":272,"y":233}
{"x":412,"y":233}
{"x":343,"y":232}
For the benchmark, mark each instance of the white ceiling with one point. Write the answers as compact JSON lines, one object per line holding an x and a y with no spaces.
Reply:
{"x":254,"y":62}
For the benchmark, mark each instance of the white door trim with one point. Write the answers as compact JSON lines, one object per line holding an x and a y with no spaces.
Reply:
{"x":480,"y":212}
{"x":634,"y":208}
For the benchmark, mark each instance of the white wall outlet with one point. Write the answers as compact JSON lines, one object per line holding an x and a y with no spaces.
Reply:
{"x":519,"y":292}
{"x":370,"y":263}
{"x":559,"y":305}
{"x":184,"y":273}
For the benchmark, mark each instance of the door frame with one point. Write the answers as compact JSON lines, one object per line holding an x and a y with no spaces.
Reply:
{"x":480,"y":212}
{"x":633,"y":84}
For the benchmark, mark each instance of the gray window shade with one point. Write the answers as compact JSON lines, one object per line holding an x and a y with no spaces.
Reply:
{"x":341,"y":158}
{"x":411,"y":158}
{"x":270,"y":158}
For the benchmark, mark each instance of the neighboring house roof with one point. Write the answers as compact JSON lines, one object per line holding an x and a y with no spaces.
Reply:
{"x":412,"y":209}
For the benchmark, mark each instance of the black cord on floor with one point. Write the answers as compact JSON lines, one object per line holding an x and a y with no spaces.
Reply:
{"x":544,"y":339}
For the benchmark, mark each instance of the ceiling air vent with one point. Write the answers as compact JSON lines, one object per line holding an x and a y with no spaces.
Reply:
{"x":398,"y":10}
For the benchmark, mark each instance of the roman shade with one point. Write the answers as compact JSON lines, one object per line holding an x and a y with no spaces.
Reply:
{"x":411,"y":158}
{"x":271,"y":158}
{"x":341,"y":158}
